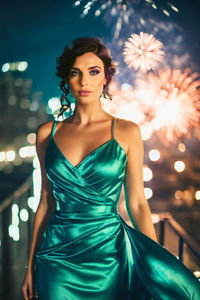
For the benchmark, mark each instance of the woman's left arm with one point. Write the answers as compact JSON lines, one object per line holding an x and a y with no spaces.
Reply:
{"x":136,"y":203}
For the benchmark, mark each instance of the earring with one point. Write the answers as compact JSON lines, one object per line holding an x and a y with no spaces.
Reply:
{"x":105,"y":92}
{"x":65,"y":103}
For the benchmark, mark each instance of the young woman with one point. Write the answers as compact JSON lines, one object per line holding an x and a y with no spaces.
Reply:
{"x":81,"y":247}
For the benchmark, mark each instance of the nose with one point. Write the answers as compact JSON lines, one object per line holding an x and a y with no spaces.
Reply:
{"x":83,"y":84}
{"x":83,"y":80}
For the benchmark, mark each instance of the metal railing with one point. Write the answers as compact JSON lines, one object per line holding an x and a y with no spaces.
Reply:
{"x":184,"y":247}
{"x":15,"y":236}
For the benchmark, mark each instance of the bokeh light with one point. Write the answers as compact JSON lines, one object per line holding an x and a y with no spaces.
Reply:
{"x":24,"y":216}
{"x":10,"y":155}
{"x":147,"y":174}
{"x":148,"y":193}
{"x":197,"y":195}
{"x":181,"y":147}
{"x":179,"y":166}
{"x":31,"y":138}
{"x":154,"y":154}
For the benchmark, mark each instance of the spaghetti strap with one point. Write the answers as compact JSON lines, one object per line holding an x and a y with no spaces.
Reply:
{"x":114,"y":128}
{"x":53,"y":129}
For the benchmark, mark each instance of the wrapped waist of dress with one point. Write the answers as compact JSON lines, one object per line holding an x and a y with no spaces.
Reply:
{"x":86,"y":208}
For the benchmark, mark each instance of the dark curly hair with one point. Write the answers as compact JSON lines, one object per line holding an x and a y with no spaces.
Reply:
{"x":79,"y":47}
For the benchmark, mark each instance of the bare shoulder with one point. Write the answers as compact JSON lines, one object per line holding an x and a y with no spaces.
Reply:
{"x":128,"y":134}
{"x":128,"y":128}
{"x":44,"y":130}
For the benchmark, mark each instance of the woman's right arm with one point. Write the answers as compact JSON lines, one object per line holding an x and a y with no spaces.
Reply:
{"x":45,"y":208}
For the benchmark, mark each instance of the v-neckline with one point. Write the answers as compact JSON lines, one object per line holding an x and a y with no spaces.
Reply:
{"x":87,"y":156}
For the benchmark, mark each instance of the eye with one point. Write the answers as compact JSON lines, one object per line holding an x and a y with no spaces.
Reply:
{"x":72,"y":73}
{"x":97,"y":72}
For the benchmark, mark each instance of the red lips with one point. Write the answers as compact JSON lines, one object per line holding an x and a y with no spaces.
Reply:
{"x":84,"y":93}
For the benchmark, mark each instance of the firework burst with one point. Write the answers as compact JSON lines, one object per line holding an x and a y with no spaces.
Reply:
{"x":122,"y":104}
{"x":122,"y":11}
{"x":167,"y":103}
{"x":173,"y":100}
{"x":143,"y":52}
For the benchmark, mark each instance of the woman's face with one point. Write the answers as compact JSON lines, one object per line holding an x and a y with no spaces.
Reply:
{"x":87,"y":74}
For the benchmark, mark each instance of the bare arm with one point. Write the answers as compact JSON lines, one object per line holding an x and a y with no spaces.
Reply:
{"x":137,"y":206}
{"x":47,"y":202}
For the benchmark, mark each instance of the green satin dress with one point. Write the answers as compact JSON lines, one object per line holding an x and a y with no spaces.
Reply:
{"x":87,"y":251}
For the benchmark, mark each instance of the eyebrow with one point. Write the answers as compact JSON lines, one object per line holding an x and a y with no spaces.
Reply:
{"x":88,"y":68}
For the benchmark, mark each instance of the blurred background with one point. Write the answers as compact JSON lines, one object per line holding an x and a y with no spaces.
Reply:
{"x":155,"y":44}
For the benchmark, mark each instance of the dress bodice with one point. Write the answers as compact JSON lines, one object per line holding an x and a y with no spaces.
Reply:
{"x":96,"y":180}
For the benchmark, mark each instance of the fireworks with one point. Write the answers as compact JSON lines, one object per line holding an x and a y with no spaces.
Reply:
{"x":120,"y":9}
{"x":123,"y":10}
{"x":122,"y":104}
{"x":167,"y":103}
{"x":143,"y":51}
{"x":173,"y":99}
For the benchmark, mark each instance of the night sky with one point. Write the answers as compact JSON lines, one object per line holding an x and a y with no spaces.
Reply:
{"x":37,"y":31}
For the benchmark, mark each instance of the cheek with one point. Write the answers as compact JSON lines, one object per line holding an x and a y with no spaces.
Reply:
{"x":98,"y":82}
{"x":73,"y":85}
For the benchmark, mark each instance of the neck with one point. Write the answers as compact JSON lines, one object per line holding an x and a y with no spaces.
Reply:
{"x":86,"y":114}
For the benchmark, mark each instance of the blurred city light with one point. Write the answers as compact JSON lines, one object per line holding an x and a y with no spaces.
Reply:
{"x":37,"y":183}
{"x":27,"y":151}
{"x":30,"y":202}
{"x":148,"y":193}
{"x":5,"y":67}
{"x":10,"y":155}
{"x":155,"y":218}
{"x":31,"y":138}
{"x":24,"y":215}
{"x":22,"y":66}
{"x":15,"y":209}
{"x":154,"y":154}
{"x":147,"y":174}
{"x":181,"y":147}
{"x":2,"y":156}
{"x":18,"y":82}
{"x":53,"y":105}
{"x":13,"y":229}
{"x":32,"y":122}
{"x":179,"y":166}
{"x":12,"y":100}
{"x":15,"y":66}
{"x":25,"y":103}
{"x":36,"y":163}
{"x":178,"y":194}
{"x":197,"y":195}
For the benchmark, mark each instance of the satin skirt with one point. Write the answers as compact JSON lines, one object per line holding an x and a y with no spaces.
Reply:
{"x":98,"y":256}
